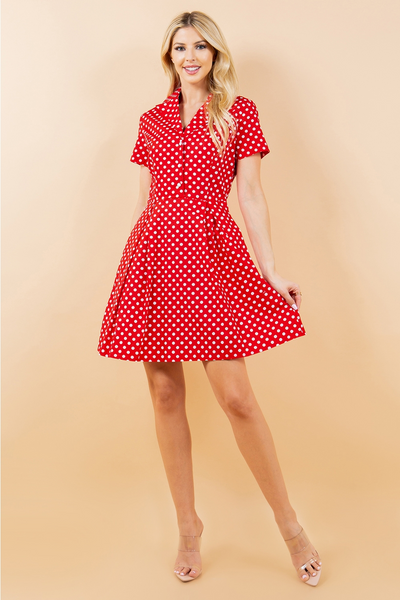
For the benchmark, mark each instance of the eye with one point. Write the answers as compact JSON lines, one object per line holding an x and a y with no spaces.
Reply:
{"x":201,"y":46}
{"x":179,"y":47}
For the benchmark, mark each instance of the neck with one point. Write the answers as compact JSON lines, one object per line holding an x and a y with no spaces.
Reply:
{"x":193,"y":94}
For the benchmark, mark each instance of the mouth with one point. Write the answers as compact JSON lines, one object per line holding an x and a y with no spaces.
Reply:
{"x":191,"y":70}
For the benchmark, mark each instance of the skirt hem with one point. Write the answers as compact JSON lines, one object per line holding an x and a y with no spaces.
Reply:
{"x":244,"y":354}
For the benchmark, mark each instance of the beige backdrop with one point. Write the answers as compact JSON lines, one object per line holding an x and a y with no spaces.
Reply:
{"x":86,"y":507}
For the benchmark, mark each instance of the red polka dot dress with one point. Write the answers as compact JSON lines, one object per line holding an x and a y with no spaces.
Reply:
{"x":186,"y":288}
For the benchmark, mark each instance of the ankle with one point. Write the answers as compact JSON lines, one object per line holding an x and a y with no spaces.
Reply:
{"x":288,"y":524}
{"x":190,"y":525}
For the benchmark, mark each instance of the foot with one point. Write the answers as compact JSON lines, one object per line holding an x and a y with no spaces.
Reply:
{"x":188,"y":564}
{"x":305,"y":557}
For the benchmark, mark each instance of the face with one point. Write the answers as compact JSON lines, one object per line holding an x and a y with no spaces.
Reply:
{"x":191,"y":55}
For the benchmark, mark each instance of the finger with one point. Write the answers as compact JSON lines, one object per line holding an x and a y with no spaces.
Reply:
{"x":296,"y":294}
{"x":289,"y":299}
{"x":297,"y":298}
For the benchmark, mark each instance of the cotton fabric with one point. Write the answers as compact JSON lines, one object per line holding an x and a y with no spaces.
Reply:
{"x":186,"y":288}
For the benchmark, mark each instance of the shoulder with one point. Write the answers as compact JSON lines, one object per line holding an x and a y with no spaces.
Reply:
{"x":159,"y":111}
{"x":243,"y":107}
{"x":150,"y":115}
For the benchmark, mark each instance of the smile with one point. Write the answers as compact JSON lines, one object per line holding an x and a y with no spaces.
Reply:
{"x":191,"y":70}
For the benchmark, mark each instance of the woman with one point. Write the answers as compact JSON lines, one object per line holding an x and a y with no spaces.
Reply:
{"x":186,"y":287}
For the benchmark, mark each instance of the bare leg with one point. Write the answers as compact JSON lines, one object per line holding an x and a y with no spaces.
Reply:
{"x":167,"y":390}
{"x":231,"y":385}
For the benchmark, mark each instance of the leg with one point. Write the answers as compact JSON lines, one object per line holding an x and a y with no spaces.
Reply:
{"x":230,"y":383}
{"x":167,"y":390}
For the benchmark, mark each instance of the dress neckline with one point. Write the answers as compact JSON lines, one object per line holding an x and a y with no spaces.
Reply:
{"x":178,"y":96}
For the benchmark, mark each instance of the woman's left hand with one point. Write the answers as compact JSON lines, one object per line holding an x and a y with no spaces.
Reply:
{"x":289,"y":290}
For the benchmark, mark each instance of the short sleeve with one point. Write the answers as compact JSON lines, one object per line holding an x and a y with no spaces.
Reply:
{"x":140,"y":154}
{"x":250,"y":138}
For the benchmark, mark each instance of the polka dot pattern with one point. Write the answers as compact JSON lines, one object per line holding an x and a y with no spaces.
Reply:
{"x":186,"y":288}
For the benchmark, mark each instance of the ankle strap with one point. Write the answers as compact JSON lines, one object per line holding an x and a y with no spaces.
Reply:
{"x":295,"y":536}
{"x":300,"y":538}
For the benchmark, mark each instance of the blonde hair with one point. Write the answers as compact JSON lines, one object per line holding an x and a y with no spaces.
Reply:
{"x":222,"y":79}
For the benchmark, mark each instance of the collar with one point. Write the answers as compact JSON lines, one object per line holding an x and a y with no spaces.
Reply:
{"x":198,"y":121}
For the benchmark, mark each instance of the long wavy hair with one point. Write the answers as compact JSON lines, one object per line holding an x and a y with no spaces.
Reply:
{"x":222,"y":79}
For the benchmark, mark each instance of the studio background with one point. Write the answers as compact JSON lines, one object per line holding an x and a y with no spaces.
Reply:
{"x":86,"y":507}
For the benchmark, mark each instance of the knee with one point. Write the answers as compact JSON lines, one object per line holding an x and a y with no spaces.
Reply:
{"x":166,"y":396}
{"x":238,"y":405}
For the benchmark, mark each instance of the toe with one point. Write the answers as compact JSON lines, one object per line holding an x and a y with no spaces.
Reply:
{"x":195,"y":572}
{"x":304,"y":576}
{"x":313,"y":566}
{"x":192,"y":574}
{"x":312,"y":569}
{"x":317,"y":561}
{"x":178,"y":568}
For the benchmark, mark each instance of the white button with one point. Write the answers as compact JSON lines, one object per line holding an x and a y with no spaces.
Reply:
{"x":178,"y":185}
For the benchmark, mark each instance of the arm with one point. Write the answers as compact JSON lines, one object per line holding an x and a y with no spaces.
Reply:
{"x":254,"y":209}
{"x":144,"y":188}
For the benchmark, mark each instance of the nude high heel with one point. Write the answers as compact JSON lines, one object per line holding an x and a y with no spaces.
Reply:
{"x":189,"y":543}
{"x":313,"y":566}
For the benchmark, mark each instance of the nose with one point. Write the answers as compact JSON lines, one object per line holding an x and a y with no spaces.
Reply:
{"x":189,"y":56}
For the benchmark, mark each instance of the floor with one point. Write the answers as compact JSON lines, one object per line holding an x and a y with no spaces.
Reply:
{"x":105,"y":545}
